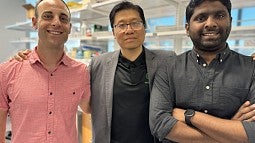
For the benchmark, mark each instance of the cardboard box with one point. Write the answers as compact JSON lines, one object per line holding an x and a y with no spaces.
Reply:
{"x":30,"y":10}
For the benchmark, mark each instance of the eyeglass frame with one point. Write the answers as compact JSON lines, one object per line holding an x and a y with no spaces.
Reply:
{"x":131,"y":24}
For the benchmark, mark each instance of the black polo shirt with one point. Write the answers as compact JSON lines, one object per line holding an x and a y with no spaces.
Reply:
{"x":131,"y":98}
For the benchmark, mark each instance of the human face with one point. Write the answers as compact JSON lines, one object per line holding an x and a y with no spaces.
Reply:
{"x":52,"y":23}
{"x":131,"y":38}
{"x":209,"y":26}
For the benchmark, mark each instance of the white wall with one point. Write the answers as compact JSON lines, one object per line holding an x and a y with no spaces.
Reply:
{"x":11,"y":12}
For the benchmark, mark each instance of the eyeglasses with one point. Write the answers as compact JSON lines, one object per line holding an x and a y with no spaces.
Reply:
{"x":134,"y":25}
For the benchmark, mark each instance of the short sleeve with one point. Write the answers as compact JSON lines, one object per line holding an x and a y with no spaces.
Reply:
{"x":3,"y":96}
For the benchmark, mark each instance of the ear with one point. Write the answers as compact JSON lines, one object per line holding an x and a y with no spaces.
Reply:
{"x":70,"y":28}
{"x":113,"y":33}
{"x":187,"y":29}
{"x":231,"y":21}
{"x":34,"y":23}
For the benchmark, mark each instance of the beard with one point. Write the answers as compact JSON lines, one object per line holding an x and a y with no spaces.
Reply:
{"x":211,"y":44}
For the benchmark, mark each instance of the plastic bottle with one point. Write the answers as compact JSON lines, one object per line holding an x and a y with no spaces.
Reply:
{"x":83,"y":29}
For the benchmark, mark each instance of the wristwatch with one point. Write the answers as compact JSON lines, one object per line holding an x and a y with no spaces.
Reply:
{"x":189,"y":113}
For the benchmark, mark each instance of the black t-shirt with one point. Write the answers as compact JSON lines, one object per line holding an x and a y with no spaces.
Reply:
{"x":131,"y":98}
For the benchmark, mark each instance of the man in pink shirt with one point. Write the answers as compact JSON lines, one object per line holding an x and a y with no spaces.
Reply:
{"x":42,"y":93}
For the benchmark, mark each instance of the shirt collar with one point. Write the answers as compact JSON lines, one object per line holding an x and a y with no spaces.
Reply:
{"x":220,"y":57}
{"x":139,"y":61}
{"x":33,"y":58}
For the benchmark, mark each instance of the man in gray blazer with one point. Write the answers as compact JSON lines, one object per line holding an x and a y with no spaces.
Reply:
{"x":121,"y":81}
{"x":103,"y":73}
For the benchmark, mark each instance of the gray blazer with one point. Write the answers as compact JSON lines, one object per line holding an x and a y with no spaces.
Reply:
{"x":102,"y":69}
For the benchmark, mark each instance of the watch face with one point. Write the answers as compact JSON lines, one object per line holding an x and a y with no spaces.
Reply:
{"x":189,"y":112}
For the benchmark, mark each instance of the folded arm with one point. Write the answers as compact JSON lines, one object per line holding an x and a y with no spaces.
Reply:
{"x":221,"y":130}
{"x":183,"y":133}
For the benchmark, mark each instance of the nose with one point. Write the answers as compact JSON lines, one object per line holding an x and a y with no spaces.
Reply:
{"x":210,"y":22}
{"x":56,"y":21}
{"x":129,"y":26}
{"x":129,"y":29}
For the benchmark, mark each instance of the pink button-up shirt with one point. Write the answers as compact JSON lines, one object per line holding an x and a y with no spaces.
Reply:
{"x":43,"y":105}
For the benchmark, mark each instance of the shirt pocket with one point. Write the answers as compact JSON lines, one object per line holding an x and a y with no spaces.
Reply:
{"x":70,"y":99}
{"x":229,"y":100}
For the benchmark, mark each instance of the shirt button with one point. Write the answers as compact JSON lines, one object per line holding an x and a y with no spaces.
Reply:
{"x":204,"y":65}
{"x":205,"y":111}
{"x":207,"y":87}
{"x":50,"y":93}
{"x":49,"y":132}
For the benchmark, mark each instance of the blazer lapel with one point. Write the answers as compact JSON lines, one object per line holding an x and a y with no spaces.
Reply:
{"x":151,"y":66}
{"x":111,"y":65}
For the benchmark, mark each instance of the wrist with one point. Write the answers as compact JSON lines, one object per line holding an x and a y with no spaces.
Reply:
{"x":188,"y":114}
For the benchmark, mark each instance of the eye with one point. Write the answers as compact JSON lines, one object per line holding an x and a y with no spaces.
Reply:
{"x":138,"y":23}
{"x":64,"y":19}
{"x":47,"y":16}
{"x":200,"y":18}
{"x":121,"y":26}
{"x":220,"y":16}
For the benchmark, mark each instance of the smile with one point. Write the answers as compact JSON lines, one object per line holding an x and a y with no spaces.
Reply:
{"x":131,"y":38}
{"x":55,"y":32}
{"x":210,"y":34}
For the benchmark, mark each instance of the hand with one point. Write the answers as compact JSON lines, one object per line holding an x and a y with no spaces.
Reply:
{"x":21,"y":55}
{"x":253,"y":56}
{"x":245,"y":113}
{"x":179,"y":114}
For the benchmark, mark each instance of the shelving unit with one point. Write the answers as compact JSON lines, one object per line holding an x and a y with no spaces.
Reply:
{"x":23,"y":41}
{"x":21,"y":26}
{"x":97,"y":13}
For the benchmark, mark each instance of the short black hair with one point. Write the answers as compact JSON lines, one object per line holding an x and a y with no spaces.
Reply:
{"x":194,"y":3}
{"x":125,"y":5}
{"x":39,"y":1}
